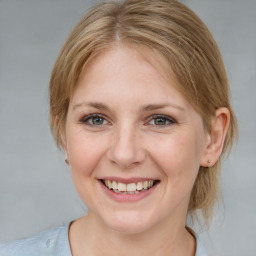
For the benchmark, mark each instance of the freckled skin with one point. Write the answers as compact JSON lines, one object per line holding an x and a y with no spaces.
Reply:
{"x":130,"y":144}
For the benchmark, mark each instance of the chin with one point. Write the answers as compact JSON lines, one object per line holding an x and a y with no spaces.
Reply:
{"x":129,"y":222}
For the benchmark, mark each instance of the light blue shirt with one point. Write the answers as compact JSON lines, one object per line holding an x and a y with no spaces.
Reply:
{"x":53,"y":242}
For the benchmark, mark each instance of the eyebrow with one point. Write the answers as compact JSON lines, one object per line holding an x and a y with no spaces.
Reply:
{"x":96,"y":105}
{"x":149,"y":107}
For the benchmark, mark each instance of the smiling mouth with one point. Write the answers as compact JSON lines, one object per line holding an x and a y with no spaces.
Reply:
{"x":130,"y":188}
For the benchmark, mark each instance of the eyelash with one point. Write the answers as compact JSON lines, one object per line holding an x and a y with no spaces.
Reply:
{"x":165,"y":118}
{"x":170,"y":121}
{"x":87,"y":119}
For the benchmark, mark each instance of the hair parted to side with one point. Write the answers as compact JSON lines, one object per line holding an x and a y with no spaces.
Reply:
{"x":184,"y":46}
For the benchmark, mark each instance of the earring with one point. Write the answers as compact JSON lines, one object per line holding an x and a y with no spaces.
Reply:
{"x":66,"y":161}
{"x":208,"y":163}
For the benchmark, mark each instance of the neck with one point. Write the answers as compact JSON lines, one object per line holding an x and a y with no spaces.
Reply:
{"x":167,"y":238}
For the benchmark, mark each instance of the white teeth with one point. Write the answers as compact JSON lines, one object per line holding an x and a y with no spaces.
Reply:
{"x":139,"y":186}
{"x":131,"y":188}
{"x":121,"y":187}
{"x":109,"y":184}
{"x":145,"y":184}
{"x":114,"y":184}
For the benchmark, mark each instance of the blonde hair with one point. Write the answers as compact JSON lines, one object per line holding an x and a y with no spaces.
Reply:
{"x":184,"y":46}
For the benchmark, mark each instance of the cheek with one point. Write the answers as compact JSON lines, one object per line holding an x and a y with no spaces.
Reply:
{"x":85,"y":152}
{"x":178,"y":156}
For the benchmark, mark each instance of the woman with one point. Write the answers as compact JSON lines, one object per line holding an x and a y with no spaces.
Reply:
{"x":139,"y":102}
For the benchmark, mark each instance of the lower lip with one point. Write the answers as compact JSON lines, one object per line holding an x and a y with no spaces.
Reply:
{"x":127,"y":197}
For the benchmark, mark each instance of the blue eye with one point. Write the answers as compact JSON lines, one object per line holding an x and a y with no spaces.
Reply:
{"x":161,"y":120}
{"x":94,"y":120}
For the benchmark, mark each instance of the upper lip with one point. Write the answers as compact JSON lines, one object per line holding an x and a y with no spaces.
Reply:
{"x":127,"y":180}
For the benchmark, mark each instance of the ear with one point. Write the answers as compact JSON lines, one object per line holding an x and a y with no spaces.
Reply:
{"x":216,"y":137}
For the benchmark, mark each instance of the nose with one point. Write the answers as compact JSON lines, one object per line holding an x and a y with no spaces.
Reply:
{"x":126,"y":150}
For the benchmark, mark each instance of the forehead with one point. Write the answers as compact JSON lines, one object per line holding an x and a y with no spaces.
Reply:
{"x":123,"y":82}
{"x":120,"y":65}
{"x":154,"y":57}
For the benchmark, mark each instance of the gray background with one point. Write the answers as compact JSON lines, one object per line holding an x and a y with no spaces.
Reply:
{"x":36,"y":190}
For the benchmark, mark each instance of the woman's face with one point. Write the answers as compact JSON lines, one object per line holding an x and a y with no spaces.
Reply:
{"x":134,"y":143}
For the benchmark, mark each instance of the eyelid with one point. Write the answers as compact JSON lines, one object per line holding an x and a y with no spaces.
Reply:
{"x":171,"y":120}
{"x":84,"y":119}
